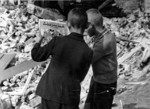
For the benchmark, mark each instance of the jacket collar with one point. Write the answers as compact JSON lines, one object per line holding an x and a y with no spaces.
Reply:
{"x":76,"y":36}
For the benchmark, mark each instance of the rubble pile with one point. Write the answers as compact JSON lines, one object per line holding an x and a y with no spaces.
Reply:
{"x":18,"y":36}
{"x":133,"y":36}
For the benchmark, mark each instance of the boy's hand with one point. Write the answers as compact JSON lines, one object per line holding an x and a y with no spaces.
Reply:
{"x":88,"y":39}
{"x":91,"y":45}
{"x":40,"y":36}
{"x":47,"y":33}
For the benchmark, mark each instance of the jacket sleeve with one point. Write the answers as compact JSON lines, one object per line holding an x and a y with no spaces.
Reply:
{"x":86,"y":65}
{"x":39,"y":53}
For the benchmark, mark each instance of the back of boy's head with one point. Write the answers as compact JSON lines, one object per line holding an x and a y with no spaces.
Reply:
{"x":77,"y":18}
{"x":95,"y":17}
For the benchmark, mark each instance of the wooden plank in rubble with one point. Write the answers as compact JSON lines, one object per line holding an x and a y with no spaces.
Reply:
{"x":5,"y":74}
{"x":5,"y":60}
{"x":129,"y":54}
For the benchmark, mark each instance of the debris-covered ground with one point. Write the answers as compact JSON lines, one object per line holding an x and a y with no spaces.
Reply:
{"x":18,"y":36}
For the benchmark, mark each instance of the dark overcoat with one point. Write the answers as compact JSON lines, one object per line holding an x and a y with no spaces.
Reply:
{"x":71,"y":58}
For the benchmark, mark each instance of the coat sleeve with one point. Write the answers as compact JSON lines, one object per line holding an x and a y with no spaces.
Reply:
{"x":103,"y":48}
{"x":86,"y":65}
{"x":39,"y":53}
{"x":98,"y":51}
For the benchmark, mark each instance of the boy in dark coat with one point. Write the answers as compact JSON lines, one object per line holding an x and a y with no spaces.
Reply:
{"x":60,"y":86}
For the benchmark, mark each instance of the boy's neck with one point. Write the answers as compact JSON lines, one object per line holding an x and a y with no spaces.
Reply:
{"x":79,"y":31}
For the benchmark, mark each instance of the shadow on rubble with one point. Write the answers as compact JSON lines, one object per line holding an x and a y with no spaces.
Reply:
{"x":132,"y":106}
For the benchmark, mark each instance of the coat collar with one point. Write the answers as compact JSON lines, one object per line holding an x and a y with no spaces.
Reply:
{"x":101,"y":35}
{"x":76,"y":36}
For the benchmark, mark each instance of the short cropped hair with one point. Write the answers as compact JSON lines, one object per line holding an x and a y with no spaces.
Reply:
{"x":78,"y":18}
{"x":95,"y":17}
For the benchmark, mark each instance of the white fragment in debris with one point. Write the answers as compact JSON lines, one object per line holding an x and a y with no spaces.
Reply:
{"x":25,"y":107}
{"x":14,"y":100}
{"x":22,"y":39}
{"x":5,"y":101}
{"x":28,"y":47}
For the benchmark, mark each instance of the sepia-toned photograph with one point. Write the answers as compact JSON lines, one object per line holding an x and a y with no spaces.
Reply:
{"x":74,"y":54}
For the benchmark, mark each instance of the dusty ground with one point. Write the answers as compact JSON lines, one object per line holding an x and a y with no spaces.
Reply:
{"x":137,"y":96}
